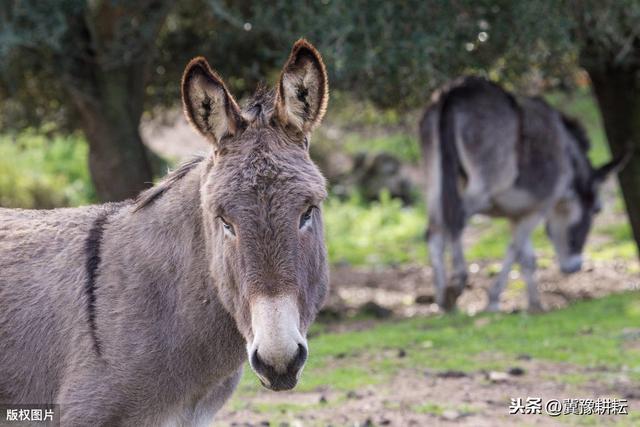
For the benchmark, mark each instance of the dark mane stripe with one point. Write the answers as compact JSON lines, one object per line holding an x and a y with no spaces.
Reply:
{"x":148,"y":196}
{"x":92,"y":248}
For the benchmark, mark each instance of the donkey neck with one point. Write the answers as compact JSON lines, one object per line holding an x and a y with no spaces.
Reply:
{"x":155,"y":274}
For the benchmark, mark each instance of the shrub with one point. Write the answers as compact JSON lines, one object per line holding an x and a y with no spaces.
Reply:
{"x":38,"y":172}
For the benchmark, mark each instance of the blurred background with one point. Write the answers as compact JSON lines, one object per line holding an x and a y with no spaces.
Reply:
{"x":90,"y":112}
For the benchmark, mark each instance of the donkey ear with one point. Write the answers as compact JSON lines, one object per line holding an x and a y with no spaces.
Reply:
{"x":208,"y":105}
{"x":614,"y":166}
{"x":303,"y":89}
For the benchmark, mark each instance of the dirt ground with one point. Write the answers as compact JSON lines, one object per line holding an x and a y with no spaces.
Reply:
{"x":451,"y":398}
{"x":419,"y":397}
{"x":408,"y":290}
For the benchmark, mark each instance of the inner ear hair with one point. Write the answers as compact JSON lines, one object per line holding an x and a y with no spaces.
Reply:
{"x":303,"y":90}
{"x":208,"y":105}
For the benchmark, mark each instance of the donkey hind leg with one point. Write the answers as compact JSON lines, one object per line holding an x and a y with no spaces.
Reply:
{"x":436,"y":241}
{"x":460,"y":276}
{"x":458,"y":281}
{"x":528,"y":265}
{"x":522,"y":229}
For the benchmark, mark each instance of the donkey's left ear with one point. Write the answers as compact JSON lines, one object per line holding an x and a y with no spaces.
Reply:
{"x":614,"y":166}
{"x":303,"y":89}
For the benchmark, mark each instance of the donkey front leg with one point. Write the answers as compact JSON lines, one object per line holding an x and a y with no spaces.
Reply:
{"x":436,"y":241}
{"x":205,"y":409}
{"x":521,"y":232}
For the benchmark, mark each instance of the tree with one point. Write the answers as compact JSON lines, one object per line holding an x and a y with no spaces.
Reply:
{"x":91,"y":60}
{"x":87,"y":64}
{"x":608,"y":37}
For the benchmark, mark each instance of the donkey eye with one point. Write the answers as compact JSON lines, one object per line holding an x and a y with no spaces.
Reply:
{"x":228,"y":228}
{"x":306,"y":217}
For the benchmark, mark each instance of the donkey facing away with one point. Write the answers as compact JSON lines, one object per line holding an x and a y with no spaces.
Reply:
{"x":141,"y":313}
{"x":486,"y":152}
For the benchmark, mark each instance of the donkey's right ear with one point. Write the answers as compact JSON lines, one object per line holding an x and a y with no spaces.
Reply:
{"x":208,"y":105}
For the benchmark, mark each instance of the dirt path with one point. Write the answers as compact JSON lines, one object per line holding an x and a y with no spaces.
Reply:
{"x":431,"y":399}
{"x":418,"y":397}
{"x":408,"y":290}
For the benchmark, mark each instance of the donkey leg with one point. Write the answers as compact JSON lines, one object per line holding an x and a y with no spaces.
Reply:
{"x":436,"y":242}
{"x":521,"y":232}
{"x":460,"y":276}
{"x":210,"y":404}
{"x":501,"y":280}
{"x":528,"y":264}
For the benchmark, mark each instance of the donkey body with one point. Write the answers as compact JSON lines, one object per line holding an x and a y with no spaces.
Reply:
{"x":142,"y":313}
{"x":486,"y":152}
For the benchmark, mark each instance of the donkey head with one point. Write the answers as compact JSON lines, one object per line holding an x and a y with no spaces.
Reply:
{"x":570,"y":219}
{"x":261,"y":201}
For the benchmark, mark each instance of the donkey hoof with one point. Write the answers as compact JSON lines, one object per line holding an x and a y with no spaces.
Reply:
{"x":492,"y":307}
{"x":535,"y":308}
{"x":451,"y":295}
{"x":460,"y":281}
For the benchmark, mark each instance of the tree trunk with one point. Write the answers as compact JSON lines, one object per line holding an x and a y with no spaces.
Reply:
{"x":617,"y":90}
{"x":110,"y":118}
{"x":109,"y":50}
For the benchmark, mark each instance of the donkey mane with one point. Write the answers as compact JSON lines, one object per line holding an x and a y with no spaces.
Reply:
{"x":149,"y":196}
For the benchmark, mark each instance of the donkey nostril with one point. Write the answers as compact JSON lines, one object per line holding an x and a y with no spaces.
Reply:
{"x":298,"y":362}
{"x":257,"y":363}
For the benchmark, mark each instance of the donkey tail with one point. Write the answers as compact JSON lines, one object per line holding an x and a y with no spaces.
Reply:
{"x":453,"y":215}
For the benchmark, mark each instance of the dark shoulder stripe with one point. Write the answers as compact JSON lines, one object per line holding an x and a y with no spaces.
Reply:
{"x":92,"y":248}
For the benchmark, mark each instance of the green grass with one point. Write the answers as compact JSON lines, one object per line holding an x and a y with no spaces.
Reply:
{"x":586,"y":334}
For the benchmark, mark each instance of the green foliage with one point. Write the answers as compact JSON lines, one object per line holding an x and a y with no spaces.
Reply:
{"x":607,"y":32}
{"x":379,"y":233}
{"x":37,"y":172}
{"x":402,"y":146}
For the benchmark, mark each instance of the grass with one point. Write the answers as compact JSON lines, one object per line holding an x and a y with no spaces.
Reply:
{"x":588,"y":338}
{"x":587,"y":334}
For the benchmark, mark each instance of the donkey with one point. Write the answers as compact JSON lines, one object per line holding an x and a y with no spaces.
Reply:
{"x":141,"y":313}
{"x":486,"y":152}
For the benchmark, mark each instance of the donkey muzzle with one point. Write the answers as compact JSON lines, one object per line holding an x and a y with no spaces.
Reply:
{"x":275,"y":380}
{"x":278,"y":350}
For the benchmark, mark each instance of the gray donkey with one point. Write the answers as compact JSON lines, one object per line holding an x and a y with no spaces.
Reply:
{"x":142,"y":313}
{"x":486,"y":152}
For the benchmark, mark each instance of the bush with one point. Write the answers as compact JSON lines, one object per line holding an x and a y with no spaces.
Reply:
{"x":381,"y":232}
{"x":38,"y":172}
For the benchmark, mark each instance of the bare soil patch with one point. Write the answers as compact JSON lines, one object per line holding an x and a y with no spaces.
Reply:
{"x":438,"y":399}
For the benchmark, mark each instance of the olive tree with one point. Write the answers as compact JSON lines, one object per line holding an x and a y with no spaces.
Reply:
{"x":83,"y":64}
